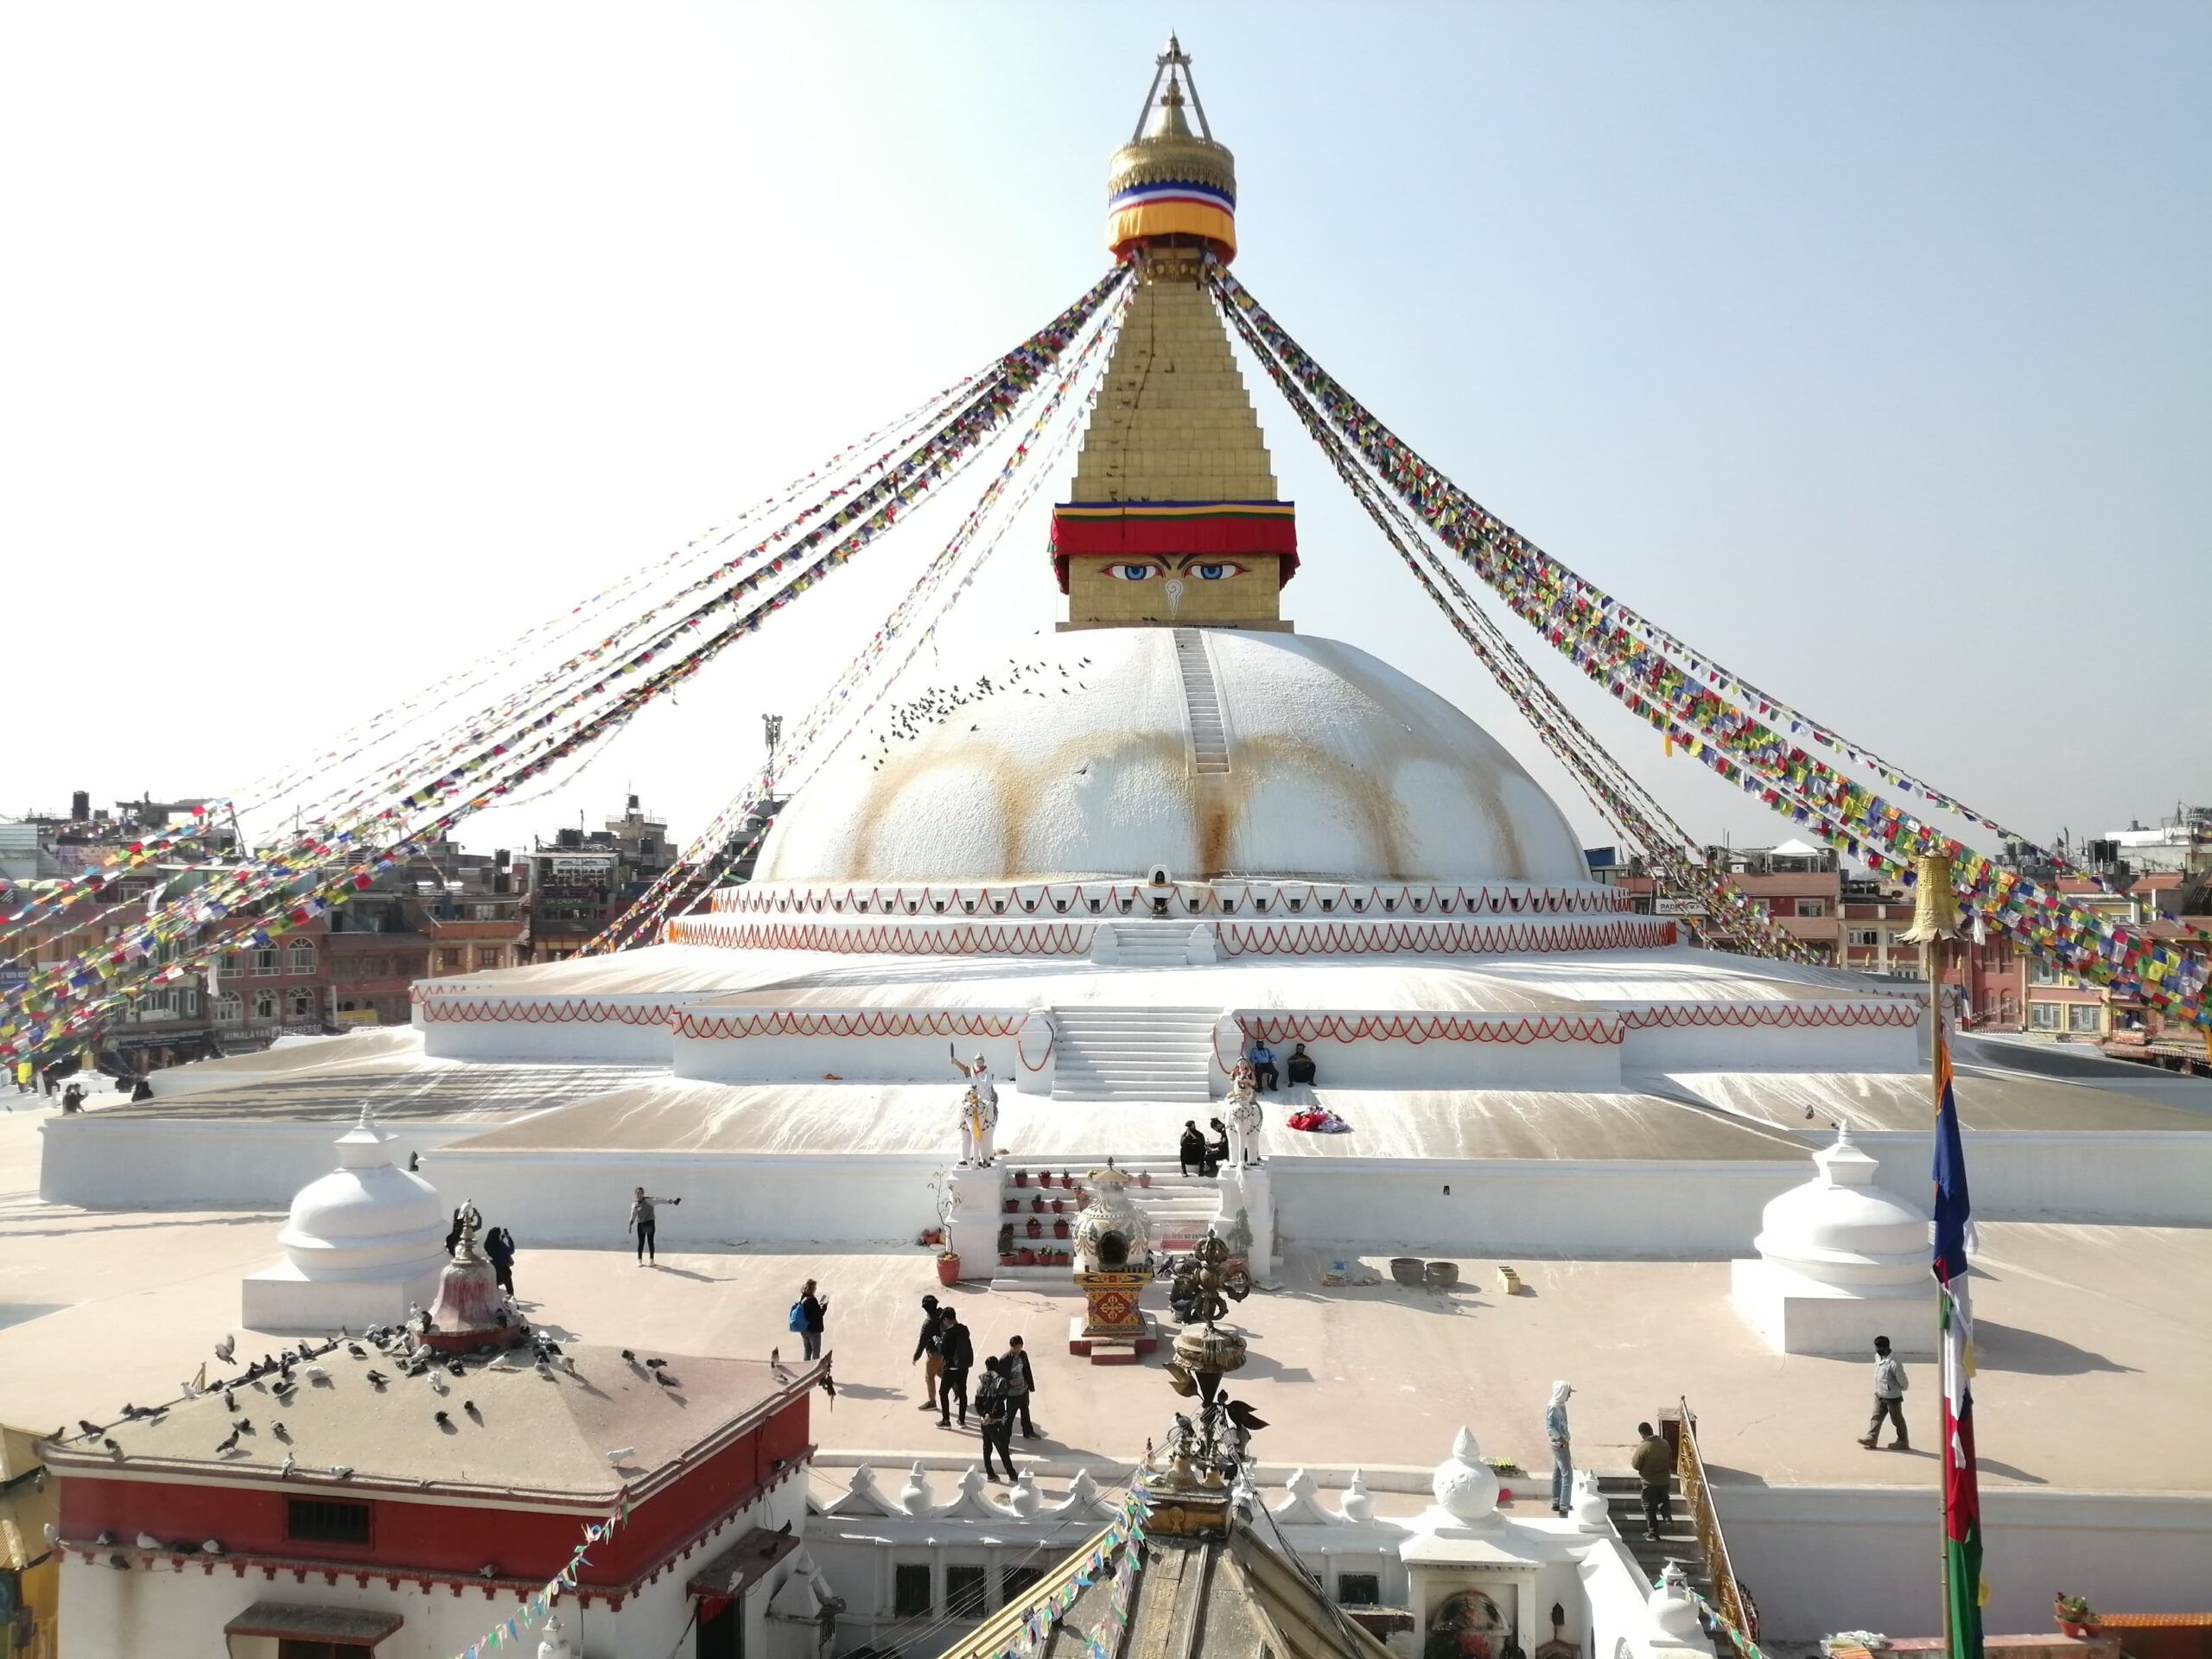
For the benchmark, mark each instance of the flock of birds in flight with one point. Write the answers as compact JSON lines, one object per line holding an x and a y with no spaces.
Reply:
{"x":911,"y":718}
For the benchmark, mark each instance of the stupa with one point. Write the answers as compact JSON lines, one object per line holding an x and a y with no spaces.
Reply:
{"x":360,"y":1244}
{"x":1188,"y":824}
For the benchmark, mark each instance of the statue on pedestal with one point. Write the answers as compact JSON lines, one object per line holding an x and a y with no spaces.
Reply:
{"x":1244,"y":1116}
{"x":979,"y":1112}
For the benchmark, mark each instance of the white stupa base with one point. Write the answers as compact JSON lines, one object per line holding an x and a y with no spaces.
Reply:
{"x":283,"y":1299}
{"x":1797,"y":1315}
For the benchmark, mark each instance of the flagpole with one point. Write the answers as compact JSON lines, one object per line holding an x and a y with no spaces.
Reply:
{"x":1934,"y":920}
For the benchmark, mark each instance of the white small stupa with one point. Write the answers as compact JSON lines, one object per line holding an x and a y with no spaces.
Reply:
{"x":1841,"y":1262}
{"x":362,"y":1243}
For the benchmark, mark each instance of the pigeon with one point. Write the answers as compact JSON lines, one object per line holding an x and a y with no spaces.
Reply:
{"x":438,"y":1384}
{"x":104,"y":1540}
{"x":227,"y":1443}
{"x":828,"y":1384}
{"x":93,"y":1430}
{"x":343,"y":1471}
{"x":227,"y":1347}
{"x":315,"y":1373}
{"x":376,"y":1377}
{"x":111,"y":1448}
{"x":665,"y":1380}
{"x":209,"y":1547}
{"x":129,"y":1413}
{"x":58,"y":1433}
{"x":441,"y":1420}
{"x":629,"y":1356}
{"x":775,"y":1364}
{"x":655,"y":1365}
{"x":620,"y":1455}
{"x":229,"y":1400}
{"x":469,"y":1406}
{"x":551,"y":1347}
{"x":147,"y":1540}
{"x":487,"y":1571}
{"x":280,"y":1431}
{"x":120,"y":1563}
{"x":458,"y":1369}
{"x":284,"y":1469}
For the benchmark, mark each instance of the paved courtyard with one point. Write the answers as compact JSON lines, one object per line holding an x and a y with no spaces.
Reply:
{"x":2094,"y":1344}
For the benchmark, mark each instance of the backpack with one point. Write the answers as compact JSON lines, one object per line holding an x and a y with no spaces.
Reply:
{"x":798,"y":1316}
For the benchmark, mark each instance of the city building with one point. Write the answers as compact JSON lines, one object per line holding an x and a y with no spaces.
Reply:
{"x":584,"y":881}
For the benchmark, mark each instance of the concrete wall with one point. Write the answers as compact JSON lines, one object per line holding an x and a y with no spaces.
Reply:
{"x":1557,"y":1206}
{"x":2154,"y":1177}
{"x":1824,"y":1559}
{"x":582,"y":1198}
{"x":920,"y":1058}
{"x":1436,"y":1062}
{"x":206,"y":1163}
{"x":1782,"y":1048}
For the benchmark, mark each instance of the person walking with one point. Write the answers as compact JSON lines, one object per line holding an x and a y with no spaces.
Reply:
{"x":808,"y":1314}
{"x":1555,"y":1430}
{"x":499,"y":1248}
{"x":1655,"y":1468}
{"x":994,"y":1415}
{"x":1889,"y":1398}
{"x":1019,"y":1382}
{"x":930,"y":1345}
{"x":959,"y":1350}
{"x":642,"y":1224}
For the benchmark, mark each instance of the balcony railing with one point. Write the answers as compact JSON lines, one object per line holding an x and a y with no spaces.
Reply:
{"x":1734,"y":1602}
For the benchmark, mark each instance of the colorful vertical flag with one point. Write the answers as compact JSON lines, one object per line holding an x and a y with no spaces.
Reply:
{"x":1963,"y":1588}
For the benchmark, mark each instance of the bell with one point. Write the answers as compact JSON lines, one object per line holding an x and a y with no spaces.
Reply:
{"x":1935,"y":910}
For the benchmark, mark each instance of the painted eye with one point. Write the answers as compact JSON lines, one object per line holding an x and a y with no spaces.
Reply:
{"x":1133,"y":572}
{"x":1216,"y":571}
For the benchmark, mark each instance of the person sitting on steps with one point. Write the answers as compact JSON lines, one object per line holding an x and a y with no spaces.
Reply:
{"x":1192,"y":1149}
{"x":1301,"y":1066}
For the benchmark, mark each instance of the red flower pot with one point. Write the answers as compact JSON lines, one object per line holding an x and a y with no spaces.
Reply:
{"x":1036,"y":1227}
{"x":1044,"y":1178}
{"x":1021,"y":1177}
{"x":1025,"y":1258}
{"x":948,"y":1268}
{"x":1059,"y":1206}
{"x":1009,"y":1258}
{"x":1012,"y":1206}
{"x":1037,"y":1205}
{"x":1059,"y":1229}
{"x":1066,"y":1180}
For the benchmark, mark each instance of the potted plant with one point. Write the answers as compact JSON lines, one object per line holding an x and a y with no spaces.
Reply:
{"x":1021,"y":1177}
{"x":1011,"y":1206}
{"x":1059,"y":1205}
{"x":1144,"y":1177}
{"x":1060,"y":1228}
{"x":1036,"y":1227}
{"x":947,"y":1268}
{"x":1066,"y":1180}
{"x":2075,"y":1617}
{"x":1025,"y":1257}
{"x":1044,"y":1178}
{"x":1005,"y":1244}
{"x":1038,"y":1204}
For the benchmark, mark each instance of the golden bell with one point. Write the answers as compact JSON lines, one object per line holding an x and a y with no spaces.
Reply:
{"x":1935,"y":910}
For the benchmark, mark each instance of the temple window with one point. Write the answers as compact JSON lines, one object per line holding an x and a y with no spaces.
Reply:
{"x":912,"y":1595}
{"x":964,"y":1589}
{"x":317,"y":1521}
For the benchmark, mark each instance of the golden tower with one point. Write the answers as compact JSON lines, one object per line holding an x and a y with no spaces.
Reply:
{"x":1173,"y":519}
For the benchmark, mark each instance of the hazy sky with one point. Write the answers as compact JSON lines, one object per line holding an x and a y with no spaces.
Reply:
{"x":1867,"y":347}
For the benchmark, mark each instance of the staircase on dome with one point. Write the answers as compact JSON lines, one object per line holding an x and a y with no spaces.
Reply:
{"x":1173,"y":519}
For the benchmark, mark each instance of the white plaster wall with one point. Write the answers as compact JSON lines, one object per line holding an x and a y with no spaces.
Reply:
{"x":160,"y":1613}
{"x":1822,"y":1559}
{"x":856,"y":1060}
{"x":223,"y":1164}
{"x":2155,"y":1178}
{"x":1441,"y":1063}
{"x":1573,"y":1207}
{"x":555,"y":1198}
{"x":548,"y":1040}
{"x":1782,"y":1048}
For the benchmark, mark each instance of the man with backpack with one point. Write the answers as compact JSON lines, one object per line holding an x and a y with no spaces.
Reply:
{"x":994,"y":1413}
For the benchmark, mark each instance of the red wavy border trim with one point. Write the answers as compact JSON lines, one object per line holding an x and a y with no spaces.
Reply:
{"x":452,"y":1009}
{"x":1393,"y":938}
{"x":864,"y":1022}
{"x":1895,"y":1011}
{"x":963,"y":937}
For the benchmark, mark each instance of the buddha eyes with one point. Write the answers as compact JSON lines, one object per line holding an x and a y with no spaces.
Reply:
{"x":1210,"y":570}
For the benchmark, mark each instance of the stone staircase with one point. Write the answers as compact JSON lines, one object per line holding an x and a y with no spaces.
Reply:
{"x":1177,"y":1208}
{"x":1202,"y":703}
{"x":1150,"y":944}
{"x":1677,"y":1539}
{"x":1164,"y":1054}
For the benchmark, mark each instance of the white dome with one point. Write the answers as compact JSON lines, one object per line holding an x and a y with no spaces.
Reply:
{"x":1841,"y":1229}
{"x":365,"y":1219}
{"x":1085,"y":766}
{"x":1465,"y":1488}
